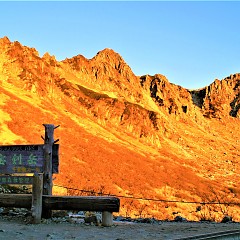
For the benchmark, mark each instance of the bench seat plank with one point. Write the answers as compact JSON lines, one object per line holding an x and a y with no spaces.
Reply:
{"x":81,"y":203}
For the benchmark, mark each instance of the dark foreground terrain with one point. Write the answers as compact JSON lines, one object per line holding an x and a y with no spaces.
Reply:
{"x":18,"y":227}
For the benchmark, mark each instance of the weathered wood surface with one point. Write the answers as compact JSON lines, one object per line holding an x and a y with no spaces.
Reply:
{"x":55,"y":158}
{"x":47,"y":176}
{"x":86,"y":203}
{"x":107,"y":219}
{"x":37,"y":191}
{"x":16,"y":200}
{"x":48,"y":144}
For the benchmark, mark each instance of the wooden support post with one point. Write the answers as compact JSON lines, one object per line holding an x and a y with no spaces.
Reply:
{"x":47,"y":175}
{"x":37,"y":190}
{"x":107,"y":219}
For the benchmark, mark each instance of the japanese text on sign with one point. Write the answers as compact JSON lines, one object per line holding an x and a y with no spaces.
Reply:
{"x":25,"y":180}
{"x":21,"y":159}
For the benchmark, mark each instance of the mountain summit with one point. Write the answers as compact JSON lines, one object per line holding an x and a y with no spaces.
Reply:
{"x":143,"y":137}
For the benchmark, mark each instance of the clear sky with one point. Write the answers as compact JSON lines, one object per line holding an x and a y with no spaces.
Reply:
{"x":191,"y":43}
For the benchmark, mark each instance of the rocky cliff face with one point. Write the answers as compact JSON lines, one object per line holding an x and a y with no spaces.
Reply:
{"x":133,"y":135}
{"x":222,"y":98}
{"x":168,"y":97}
{"x":106,"y":72}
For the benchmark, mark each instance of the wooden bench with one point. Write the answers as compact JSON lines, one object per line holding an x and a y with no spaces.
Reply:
{"x":106,"y":205}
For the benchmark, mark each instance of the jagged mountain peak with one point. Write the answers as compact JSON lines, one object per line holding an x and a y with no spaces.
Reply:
{"x":16,"y":50}
{"x":76,"y":62}
{"x":109,"y":57}
{"x":48,"y":56}
{"x":107,"y":54}
{"x":5,"y":40}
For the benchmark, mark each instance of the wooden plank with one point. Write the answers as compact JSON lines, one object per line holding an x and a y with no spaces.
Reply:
{"x":37,"y":191}
{"x":21,"y":158}
{"x":19,"y":180}
{"x":16,"y":200}
{"x":86,"y":203}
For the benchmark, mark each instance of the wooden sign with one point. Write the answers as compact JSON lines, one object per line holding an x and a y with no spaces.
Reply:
{"x":21,"y":159}
{"x":19,"y":180}
{"x":55,"y":158}
{"x":25,"y":158}
{"x":42,"y":160}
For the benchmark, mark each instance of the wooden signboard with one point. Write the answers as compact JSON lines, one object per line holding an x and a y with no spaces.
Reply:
{"x":55,"y":158}
{"x":21,"y":159}
{"x":25,"y":158}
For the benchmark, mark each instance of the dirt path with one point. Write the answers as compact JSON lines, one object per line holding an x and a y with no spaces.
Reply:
{"x":15,"y":229}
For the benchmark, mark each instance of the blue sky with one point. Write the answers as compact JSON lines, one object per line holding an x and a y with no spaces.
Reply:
{"x":191,"y":43}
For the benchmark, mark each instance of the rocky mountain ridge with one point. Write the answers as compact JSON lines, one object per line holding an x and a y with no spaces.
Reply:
{"x":131,"y":135}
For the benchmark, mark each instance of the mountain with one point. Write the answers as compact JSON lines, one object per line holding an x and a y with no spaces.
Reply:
{"x":142,"y":137}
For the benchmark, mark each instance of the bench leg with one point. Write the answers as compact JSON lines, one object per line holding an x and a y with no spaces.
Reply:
{"x":37,"y":190}
{"x":107,"y":219}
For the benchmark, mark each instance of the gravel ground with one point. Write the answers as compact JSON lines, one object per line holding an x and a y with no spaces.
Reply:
{"x":18,"y":228}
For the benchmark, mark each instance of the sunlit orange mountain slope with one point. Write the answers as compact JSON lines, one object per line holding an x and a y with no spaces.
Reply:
{"x":127,"y":135}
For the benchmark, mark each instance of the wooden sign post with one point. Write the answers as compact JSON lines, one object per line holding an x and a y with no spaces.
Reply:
{"x":42,"y":160}
{"x":48,"y":167}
